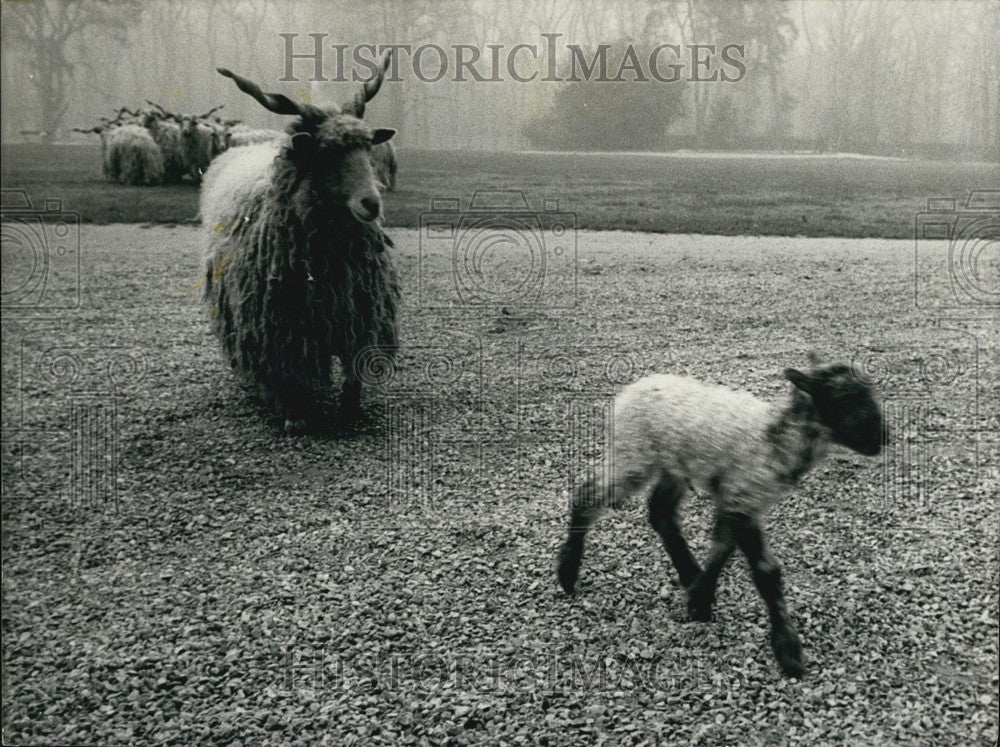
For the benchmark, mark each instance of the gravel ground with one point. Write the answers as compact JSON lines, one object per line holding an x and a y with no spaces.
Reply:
{"x":176,"y":571}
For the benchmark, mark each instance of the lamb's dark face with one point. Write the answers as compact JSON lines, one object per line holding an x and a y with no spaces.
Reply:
{"x":336,"y":155}
{"x":846,"y":404}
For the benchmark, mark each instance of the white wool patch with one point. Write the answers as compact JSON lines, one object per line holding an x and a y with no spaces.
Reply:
{"x":231,"y":182}
{"x":708,"y":435}
{"x":242,"y":137}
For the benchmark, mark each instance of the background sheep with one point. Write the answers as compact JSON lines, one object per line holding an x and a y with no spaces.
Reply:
{"x":220,"y":133}
{"x":129,"y":155}
{"x":671,"y":432}
{"x":384,"y":158}
{"x":199,"y":144}
{"x":133,"y":156}
{"x":296,"y":271}
{"x":166,"y":131}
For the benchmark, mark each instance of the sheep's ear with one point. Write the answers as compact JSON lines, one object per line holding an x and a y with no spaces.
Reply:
{"x":302,"y":144}
{"x":800,"y":380}
{"x":381,"y":135}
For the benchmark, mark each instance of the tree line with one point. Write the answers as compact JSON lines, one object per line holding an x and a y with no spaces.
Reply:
{"x":897,"y":77}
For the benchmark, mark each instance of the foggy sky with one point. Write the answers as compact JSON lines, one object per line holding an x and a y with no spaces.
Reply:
{"x":899,"y":73}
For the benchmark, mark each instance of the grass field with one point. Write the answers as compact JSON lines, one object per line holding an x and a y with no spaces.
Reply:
{"x":178,"y":572}
{"x":663,"y":193}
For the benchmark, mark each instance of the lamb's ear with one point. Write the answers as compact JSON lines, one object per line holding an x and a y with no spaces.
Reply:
{"x":800,"y":380}
{"x":381,"y":135}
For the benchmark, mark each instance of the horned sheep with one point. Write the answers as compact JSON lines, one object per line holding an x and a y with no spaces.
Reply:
{"x":199,"y":143}
{"x":296,"y":269}
{"x":673,"y":432}
{"x":167,"y":133}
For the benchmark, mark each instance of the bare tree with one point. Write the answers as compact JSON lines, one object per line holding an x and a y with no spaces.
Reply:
{"x":47,"y":28}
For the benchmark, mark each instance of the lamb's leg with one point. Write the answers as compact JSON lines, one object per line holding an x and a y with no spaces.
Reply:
{"x":584,"y":510}
{"x":767,"y":577}
{"x":701,"y":592}
{"x":663,"y":503}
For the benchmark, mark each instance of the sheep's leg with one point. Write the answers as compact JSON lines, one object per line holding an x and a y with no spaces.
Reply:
{"x":767,"y":577}
{"x":350,"y":399}
{"x":585,"y":509}
{"x":701,"y":592}
{"x":293,"y":400}
{"x":663,"y":504}
{"x":296,"y":393}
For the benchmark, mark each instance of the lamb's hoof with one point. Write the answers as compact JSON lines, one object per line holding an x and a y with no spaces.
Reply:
{"x":788,"y":651}
{"x":296,"y":427}
{"x":699,"y":613}
{"x":699,"y":608}
{"x":568,"y":571}
{"x":567,"y":580}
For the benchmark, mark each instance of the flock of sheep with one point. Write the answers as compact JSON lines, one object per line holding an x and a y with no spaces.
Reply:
{"x":152,"y":146}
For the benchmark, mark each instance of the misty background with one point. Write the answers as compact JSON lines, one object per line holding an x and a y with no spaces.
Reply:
{"x":914,"y":78}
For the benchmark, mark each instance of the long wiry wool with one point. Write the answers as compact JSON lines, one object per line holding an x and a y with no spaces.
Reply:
{"x":131,"y":156}
{"x":744,"y":451}
{"x":291,"y":280}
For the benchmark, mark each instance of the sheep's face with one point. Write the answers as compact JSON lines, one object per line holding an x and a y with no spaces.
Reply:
{"x":220,"y":139}
{"x":335,"y":156}
{"x":198,"y":136}
{"x":150,"y":119}
{"x":846,"y":405}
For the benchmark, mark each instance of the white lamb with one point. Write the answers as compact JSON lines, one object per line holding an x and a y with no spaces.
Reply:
{"x":671,"y":432}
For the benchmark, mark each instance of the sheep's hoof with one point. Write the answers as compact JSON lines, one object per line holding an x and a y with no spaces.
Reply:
{"x":788,"y":651}
{"x":348,"y":415}
{"x":349,"y":411}
{"x":295,"y":427}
